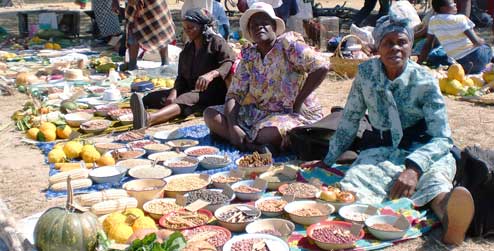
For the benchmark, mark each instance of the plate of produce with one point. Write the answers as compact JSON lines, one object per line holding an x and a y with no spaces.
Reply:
{"x":214,"y":235}
{"x":164,"y":136}
{"x":95,"y":126}
{"x":214,"y":161}
{"x":130,"y":136}
{"x":182,"y":144}
{"x":336,"y":197}
{"x":184,"y":183}
{"x":299,"y":190}
{"x":197,"y":151}
{"x":333,"y":235}
{"x":258,"y":242}
{"x":183,"y":219}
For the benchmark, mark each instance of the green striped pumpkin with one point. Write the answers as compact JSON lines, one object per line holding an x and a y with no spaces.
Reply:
{"x":63,"y":229}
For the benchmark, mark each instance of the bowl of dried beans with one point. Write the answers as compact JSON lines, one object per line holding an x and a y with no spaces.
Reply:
{"x":307,"y":212}
{"x":183,"y":219}
{"x":271,"y":206}
{"x":333,"y":235}
{"x":235,"y":217}
{"x":382,"y":227}
{"x":214,"y":235}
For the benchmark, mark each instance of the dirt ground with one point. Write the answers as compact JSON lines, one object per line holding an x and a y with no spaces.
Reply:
{"x":23,"y":174}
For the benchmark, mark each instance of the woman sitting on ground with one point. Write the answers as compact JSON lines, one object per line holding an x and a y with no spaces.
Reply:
{"x":271,"y":91}
{"x":203,"y":66}
{"x":410,"y":154}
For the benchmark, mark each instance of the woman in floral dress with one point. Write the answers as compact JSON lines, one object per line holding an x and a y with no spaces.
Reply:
{"x":272,"y":89}
{"x":410,"y":155}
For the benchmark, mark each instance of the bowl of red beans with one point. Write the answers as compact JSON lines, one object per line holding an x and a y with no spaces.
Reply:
{"x":197,"y":151}
{"x":182,"y":165}
{"x":333,"y":235}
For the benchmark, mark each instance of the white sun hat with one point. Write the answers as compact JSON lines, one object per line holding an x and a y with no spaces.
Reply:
{"x":258,"y":7}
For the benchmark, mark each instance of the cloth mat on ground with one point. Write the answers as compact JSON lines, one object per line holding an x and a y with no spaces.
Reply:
{"x":422,"y":221}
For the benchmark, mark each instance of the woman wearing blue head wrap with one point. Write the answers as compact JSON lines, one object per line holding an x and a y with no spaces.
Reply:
{"x":408,"y":152}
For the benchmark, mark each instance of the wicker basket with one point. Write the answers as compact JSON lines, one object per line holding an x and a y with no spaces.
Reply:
{"x":345,"y":66}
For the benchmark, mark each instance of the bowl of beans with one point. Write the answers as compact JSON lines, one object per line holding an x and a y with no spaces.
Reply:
{"x":156,"y":208}
{"x":156,"y":148}
{"x":355,"y":213}
{"x":105,"y":147}
{"x":255,"y":163}
{"x":223,"y":178}
{"x":214,"y":235}
{"x":182,"y":165}
{"x":197,"y":151}
{"x":299,"y":190}
{"x":307,"y":212}
{"x":214,"y":161}
{"x":245,"y":190}
{"x":271,"y":206}
{"x":125,"y":153}
{"x":182,"y":144}
{"x":276,"y":227}
{"x":382,"y":227}
{"x":258,"y":242}
{"x":235,"y":217}
{"x":215,"y":197}
{"x":333,"y":235}
{"x":183,"y":219}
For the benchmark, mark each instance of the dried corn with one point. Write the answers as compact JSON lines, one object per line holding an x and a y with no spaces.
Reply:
{"x":96,"y":197}
{"x":75,"y":174}
{"x":76,"y":184}
{"x":72,"y":165}
{"x":111,"y":206}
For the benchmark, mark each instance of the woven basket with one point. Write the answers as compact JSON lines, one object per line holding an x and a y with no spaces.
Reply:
{"x":345,"y":66}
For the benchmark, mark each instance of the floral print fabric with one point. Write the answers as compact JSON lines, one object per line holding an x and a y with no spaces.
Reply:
{"x":395,"y":105}
{"x":266,"y":88}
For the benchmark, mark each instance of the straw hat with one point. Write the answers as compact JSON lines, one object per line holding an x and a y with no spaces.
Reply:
{"x":73,"y":74}
{"x":258,"y":7}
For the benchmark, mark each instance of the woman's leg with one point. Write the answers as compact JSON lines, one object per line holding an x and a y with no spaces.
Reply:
{"x":164,"y":55}
{"x":216,"y":122}
{"x":164,"y":114}
{"x":133,"y":50}
{"x":455,"y":210}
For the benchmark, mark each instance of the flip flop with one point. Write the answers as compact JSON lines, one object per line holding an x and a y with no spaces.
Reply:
{"x":138,"y":111}
{"x":458,"y":215}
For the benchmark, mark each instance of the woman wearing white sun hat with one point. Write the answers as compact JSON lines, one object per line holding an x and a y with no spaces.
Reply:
{"x":272,"y":89}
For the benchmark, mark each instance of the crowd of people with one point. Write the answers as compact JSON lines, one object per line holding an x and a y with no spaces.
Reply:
{"x":272,"y":89}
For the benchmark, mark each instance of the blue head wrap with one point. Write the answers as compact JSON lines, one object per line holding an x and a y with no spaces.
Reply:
{"x":392,"y":23}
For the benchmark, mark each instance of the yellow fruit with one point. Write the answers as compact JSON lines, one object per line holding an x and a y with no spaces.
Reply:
{"x":49,"y":46}
{"x":56,"y":156}
{"x":59,"y":146}
{"x":88,"y":148}
{"x":143,"y":223}
{"x":112,"y":220}
{"x":106,"y":160}
{"x":330,"y":196}
{"x":32,"y":133}
{"x":46,"y":135}
{"x":57,"y":46}
{"x":48,"y":126}
{"x":120,"y":233}
{"x":478,"y":82}
{"x":452,"y":87}
{"x":456,"y":71}
{"x":64,"y":132}
{"x":468,"y":82}
{"x":90,"y":156}
{"x":72,"y":149}
{"x":136,"y":212}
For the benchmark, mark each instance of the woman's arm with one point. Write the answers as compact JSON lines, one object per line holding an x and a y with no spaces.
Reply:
{"x":314,"y":79}
{"x":476,"y":40}
{"x":225,"y":58}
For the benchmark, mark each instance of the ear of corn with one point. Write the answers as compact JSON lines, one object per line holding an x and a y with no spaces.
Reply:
{"x":96,"y":197}
{"x":71,"y":165}
{"x":111,"y":206}
{"x":75,"y":174}
{"x":76,"y":184}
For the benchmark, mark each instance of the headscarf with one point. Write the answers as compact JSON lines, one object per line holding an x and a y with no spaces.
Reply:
{"x":203,"y":18}
{"x":392,"y":23}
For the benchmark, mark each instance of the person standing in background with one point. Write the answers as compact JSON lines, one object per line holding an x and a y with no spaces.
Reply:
{"x":369,"y":5}
{"x":150,"y":26}
{"x":107,"y":21}
{"x":221,"y":19}
{"x":287,"y":9}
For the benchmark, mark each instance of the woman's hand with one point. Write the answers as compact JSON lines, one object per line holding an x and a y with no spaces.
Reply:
{"x":313,"y":164}
{"x":203,"y":81}
{"x":405,"y":185}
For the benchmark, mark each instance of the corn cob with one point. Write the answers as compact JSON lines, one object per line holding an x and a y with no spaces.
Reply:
{"x":111,"y":206}
{"x":76,"y":184}
{"x":96,"y":197}
{"x":75,"y":174}
{"x":72,"y":165}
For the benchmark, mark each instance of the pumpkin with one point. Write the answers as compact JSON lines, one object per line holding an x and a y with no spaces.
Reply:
{"x":120,"y":233}
{"x":32,"y":133}
{"x":56,"y":155}
{"x":64,"y":131}
{"x":90,"y":156}
{"x":72,"y":149}
{"x":47,"y":135}
{"x":61,"y":229}
{"x":112,"y":220}
{"x":106,"y":160}
{"x":135,"y":212}
{"x":144,"y":222}
{"x":47,"y":126}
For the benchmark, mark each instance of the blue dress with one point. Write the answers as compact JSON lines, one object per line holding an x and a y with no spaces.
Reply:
{"x":394,"y":106}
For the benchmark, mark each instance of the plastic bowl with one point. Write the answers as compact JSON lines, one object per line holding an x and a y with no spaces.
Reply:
{"x":77,"y":118}
{"x":326,"y":210}
{"x":220,"y":163}
{"x":268,"y":224}
{"x":354,"y":213}
{"x":164,"y":136}
{"x":145,"y":189}
{"x":104,"y":125}
{"x":332,"y":245}
{"x":185,"y":169}
{"x":269,"y":213}
{"x":235,"y":227}
{"x":247,"y":196}
{"x":150,"y":172}
{"x":157,"y":215}
{"x":385,"y":219}
{"x":275,"y":243}
{"x":108,"y":174}
{"x":220,"y":184}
